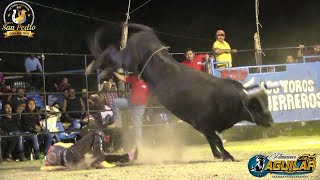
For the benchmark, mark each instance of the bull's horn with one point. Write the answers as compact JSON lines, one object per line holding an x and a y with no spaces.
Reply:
{"x":272,"y":85}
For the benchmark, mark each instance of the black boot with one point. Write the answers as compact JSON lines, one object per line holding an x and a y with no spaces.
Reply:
{"x":22,"y":157}
{"x":37,"y":155}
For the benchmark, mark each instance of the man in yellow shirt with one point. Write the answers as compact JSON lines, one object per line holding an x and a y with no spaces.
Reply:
{"x":222,"y":50}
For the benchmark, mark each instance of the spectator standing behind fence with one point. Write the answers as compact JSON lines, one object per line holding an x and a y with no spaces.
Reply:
{"x":315,"y":51}
{"x":33,"y":65}
{"x":137,"y":104}
{"x":222,"y":50}
{"x":195,"y":61}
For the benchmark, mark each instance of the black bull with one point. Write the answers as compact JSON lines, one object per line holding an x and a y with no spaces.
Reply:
{"x":208,"y":103}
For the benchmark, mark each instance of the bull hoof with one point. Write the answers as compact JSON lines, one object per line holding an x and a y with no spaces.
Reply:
{"x":229,"y":159}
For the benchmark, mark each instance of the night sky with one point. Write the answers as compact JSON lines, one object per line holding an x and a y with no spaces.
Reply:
{"x":179,"y":24}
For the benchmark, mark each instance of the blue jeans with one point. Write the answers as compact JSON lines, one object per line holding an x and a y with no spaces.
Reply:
{"x":136,"y":116}
{"x":57,"y":137}
{"x":47,"y":139}
{"x":33,"y":137}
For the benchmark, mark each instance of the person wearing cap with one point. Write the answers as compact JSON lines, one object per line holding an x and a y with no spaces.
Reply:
{"x":49,"y":123}
{"x":222,"y":50}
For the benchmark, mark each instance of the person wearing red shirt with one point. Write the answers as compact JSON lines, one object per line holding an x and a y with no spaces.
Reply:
{"x":137,"y":103}
{"x":195,"y":61}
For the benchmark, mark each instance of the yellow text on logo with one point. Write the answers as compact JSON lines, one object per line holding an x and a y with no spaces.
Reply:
{"x":290,"y":166}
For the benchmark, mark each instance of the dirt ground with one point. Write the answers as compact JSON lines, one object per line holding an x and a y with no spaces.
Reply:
{"x":183,"y":162}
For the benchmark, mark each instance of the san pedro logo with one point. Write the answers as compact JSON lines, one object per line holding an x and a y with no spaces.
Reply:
{"x":18,"y":18}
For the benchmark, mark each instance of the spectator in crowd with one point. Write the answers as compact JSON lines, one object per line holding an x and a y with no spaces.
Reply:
{"x":1,"y":78}
{"x":108,"y":93}
{"x":63,"y":85}
{"x":96,"y":119}
{"x":222,"y":50}
{"x":5,"y":95}
{"x":195,"y":61}
{"x":57,"y":105}
{"x":84,"y":98}
{"x":19,"y":110}
{"x":290,"y":59}
{"x":30,"y":123}
{"x":65,"y":94}
{"x":8,"y":125}
{"x":73,"y":106}
{"x":137,"y":104}
{"x":49,"y":123}
{"x":19,"y":99}
{"x":271,"y":69}
{"x":315,"y":51}
{"x":20,"y":145}
{"x":33,"y":65}
{"x":74,"y":153}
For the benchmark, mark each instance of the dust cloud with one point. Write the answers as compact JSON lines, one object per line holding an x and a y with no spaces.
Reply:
{"x":166,"y":144}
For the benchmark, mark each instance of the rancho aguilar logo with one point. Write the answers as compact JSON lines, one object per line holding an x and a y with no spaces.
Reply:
{"x":282,"y":165}
{"x":18,"y":18}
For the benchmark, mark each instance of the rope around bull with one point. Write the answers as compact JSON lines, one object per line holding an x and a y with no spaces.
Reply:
{"x":162,"y":48}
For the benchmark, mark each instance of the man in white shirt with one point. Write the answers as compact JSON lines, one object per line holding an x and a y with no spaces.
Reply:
{"x":33,"y":65}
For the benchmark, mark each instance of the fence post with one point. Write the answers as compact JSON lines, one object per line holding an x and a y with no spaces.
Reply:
{"x":44,"y":90}
{"x":0,"y":150}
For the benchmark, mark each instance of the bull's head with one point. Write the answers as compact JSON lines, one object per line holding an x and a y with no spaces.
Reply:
{"x":257,"y":106}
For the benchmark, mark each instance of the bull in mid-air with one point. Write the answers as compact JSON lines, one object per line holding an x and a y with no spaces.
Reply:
{"x":210,"y":104}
